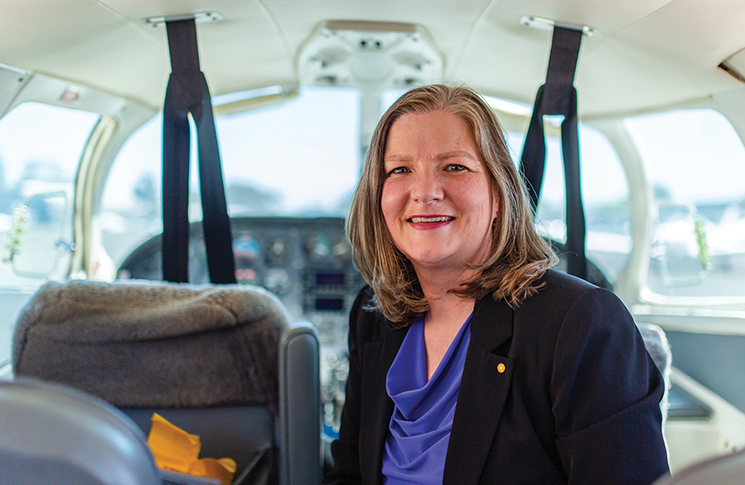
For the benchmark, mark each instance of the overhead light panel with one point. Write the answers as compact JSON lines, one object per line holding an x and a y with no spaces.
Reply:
{"x":369,"y":54}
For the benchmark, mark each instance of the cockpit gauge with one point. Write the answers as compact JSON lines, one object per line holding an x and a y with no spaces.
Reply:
{"x":277,"y":280}
{"x":246,"y":276}
{"x":246,"y":249}
{"x":317,"y":246}
{"x":342,"y":249}
{"x":277,"y":252}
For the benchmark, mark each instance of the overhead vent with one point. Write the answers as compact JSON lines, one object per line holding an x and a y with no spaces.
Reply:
{"x":378,"y":55}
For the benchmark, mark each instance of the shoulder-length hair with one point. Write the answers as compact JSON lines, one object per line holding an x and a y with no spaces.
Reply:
{"x":518,"y":257}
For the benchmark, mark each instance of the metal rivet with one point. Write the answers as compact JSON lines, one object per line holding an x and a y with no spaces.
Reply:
{"x":501,"y":368}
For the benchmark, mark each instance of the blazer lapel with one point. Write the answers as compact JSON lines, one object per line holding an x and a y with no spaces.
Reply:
{"x":483,"y":392}
{"x":376,"y":407}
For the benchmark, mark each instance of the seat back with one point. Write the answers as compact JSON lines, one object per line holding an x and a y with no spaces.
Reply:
{"x":728,"y":469}
{"x":658,"y":347}
{"x":218,"y":361}
{"x":244,"y":432}
{"x":53,"y":434}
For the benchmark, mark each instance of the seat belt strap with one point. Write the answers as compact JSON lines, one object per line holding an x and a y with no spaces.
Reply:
{"x":559,"y":97}
{"x":188,"y":92}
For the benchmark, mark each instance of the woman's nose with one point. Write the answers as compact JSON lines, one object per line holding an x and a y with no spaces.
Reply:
{"x":427,"y":187}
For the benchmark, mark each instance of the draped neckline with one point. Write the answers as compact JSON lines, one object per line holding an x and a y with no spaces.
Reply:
{"x":423,"y":409}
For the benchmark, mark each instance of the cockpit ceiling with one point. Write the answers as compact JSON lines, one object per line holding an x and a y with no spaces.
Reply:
{"x":647,"y":53}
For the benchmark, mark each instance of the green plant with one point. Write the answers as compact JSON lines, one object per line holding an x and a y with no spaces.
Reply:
{"x":17,"y":226}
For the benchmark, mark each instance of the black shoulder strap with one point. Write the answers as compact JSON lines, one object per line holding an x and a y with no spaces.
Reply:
{"x":188,"y":93}
{"x":559,"y":97}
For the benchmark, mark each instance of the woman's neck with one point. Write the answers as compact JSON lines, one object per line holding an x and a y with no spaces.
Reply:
{"x":437,"y":283}
{"x":447,"y":311}
{"x":442,"y":322}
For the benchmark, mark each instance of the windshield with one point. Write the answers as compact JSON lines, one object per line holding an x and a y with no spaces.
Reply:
{"x":274,"y":160}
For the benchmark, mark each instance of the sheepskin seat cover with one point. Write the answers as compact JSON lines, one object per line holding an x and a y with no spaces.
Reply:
{"x":154,"y":344}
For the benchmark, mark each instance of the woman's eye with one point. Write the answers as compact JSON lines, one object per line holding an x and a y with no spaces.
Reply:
{"x":398,"y":170}
{"x":454,"y":167}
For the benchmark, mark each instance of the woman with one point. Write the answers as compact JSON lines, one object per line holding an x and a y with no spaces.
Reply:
{"x":470,"y":360}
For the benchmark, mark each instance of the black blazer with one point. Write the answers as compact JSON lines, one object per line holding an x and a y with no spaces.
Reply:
{"x":560,"y":390}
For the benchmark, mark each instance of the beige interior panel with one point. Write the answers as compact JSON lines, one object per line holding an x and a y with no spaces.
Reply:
{"x":646,"y":53}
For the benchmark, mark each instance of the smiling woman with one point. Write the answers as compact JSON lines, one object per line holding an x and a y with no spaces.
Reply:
{"x":517,"y":256}
{"x":434,"y":192}
{"x":470,"y":360}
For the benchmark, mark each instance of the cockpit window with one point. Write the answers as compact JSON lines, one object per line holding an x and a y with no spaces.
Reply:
{"x":605,"y":195}
{"x":40,"y":149}
{"x":300,"y":158}
{"x":695,"y":162}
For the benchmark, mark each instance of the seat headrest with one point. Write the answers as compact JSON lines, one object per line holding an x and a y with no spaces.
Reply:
{"x":154,"y":344}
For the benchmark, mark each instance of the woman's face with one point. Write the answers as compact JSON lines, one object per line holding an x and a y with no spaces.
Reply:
{"x":437,"y":199}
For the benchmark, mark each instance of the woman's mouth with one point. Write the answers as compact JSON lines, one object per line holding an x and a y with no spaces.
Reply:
{"x":419,"y":219}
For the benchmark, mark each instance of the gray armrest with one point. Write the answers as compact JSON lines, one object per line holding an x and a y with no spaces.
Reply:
{"x":299,"y":406}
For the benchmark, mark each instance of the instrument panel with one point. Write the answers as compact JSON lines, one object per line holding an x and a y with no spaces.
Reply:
{"x":306,"y":262}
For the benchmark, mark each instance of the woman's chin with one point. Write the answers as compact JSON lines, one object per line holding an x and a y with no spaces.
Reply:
{"x":439,"y":264}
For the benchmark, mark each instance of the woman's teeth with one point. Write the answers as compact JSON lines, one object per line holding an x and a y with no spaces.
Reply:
{"x":431,"y":219}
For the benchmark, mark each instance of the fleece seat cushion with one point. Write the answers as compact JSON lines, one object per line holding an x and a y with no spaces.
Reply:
{"x":154,"y":344}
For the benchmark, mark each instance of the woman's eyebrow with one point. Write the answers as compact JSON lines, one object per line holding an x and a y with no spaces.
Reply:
{"x":455,"y":154}
{"x":397,"y":158}
{"x":440,"y":157}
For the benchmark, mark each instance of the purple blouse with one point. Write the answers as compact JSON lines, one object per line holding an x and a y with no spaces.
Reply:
{"x":423,"y":414}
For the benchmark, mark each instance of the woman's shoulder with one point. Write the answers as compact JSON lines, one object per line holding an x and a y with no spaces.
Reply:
{"x":554,"y":280}
{"x":562,"y":299}
{"x":363,"y":299}
{"x":366,"y":323}
{"x":562,"y":289}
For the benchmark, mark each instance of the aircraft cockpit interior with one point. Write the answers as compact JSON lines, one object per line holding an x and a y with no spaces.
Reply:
{"x":220,"y":142}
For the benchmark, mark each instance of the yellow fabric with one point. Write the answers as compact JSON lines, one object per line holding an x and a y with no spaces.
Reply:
{"x":222,"y":469}
{"x":176,"y":450}
{"x":173,"y":448}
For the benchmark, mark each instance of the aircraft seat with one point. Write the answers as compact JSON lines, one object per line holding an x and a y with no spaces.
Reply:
{"x":51,"y":433}
{"x":218,"y":361}
{"x":659,"y":349}
{"x":727,"y":469}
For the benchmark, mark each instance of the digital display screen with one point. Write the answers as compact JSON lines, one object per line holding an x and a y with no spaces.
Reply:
{"x":329,"y":303}
{"x":330,"y":278}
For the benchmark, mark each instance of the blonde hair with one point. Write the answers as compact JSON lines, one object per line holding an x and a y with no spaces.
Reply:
{"x":518,"y":257}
